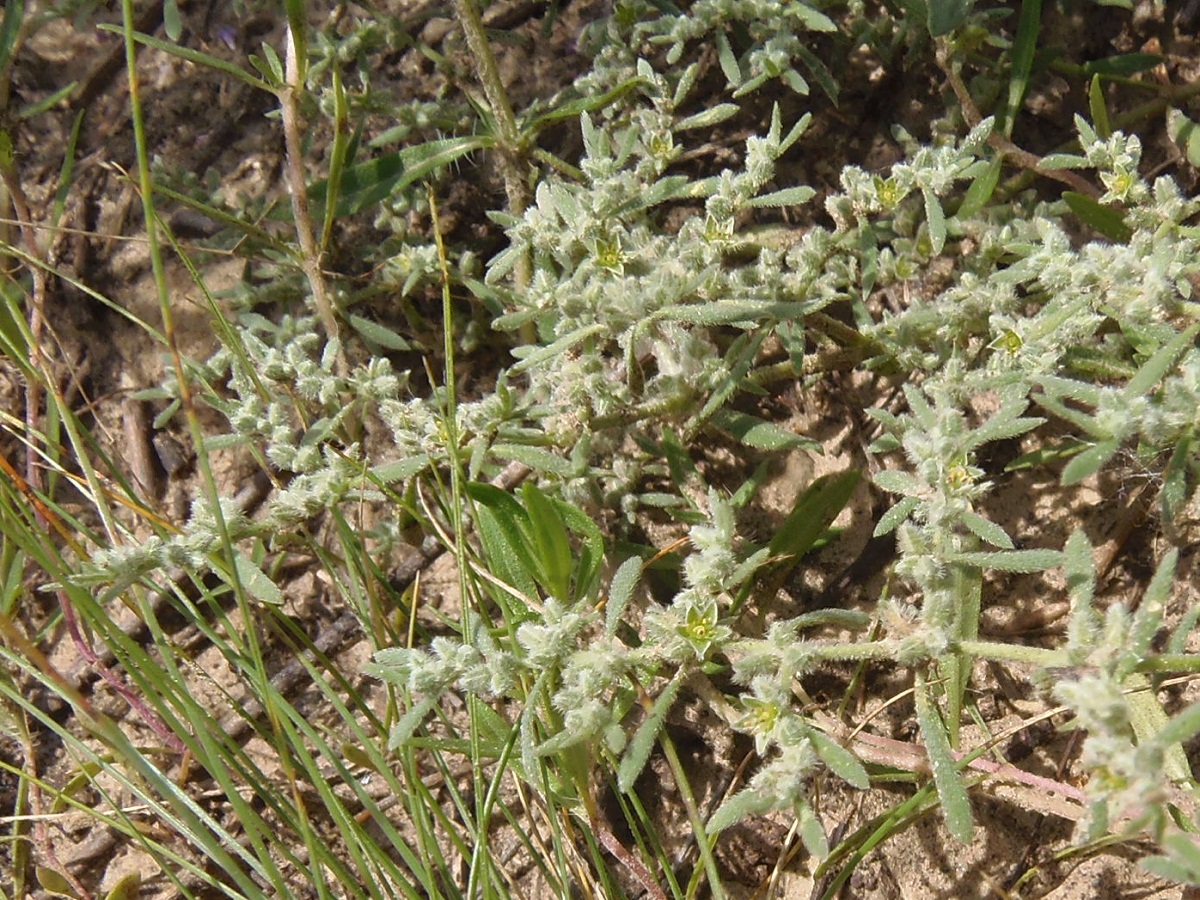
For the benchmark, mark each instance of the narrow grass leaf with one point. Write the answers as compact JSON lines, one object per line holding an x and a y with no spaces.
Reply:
{"x":1122,"y":65}
{"x":956,"y":806}
{"x":1023,"y":50}
{"x":195,"y":56}
{"x":1098,"y":108}
{"x":10,"y":27}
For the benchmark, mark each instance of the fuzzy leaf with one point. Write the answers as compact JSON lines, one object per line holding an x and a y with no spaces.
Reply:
{"x":714,"y":115}
{"x":638,"y":751}
{"x":1011,"y":560}
{"x":411,"y":721}
{"x":891,"y":519}
{"x":812,"y":832}
{"x":620,"y":591}
{"x":535,"y":457}
{"x":793,"y":196}
{"x":400,"y":469}
{"x":841,"y":761}
{"x":956,"y":806}
{"x":759,"y":433}
{"x":987,"y":530}
{"x":1186,"y":135}
{"x":377,"y":334}
{"x":896,"y":482}
{"x":1089,"y":461}
{"x":256,"y":582}
{"x":1153,"y":370}
{"x":935,"y":218}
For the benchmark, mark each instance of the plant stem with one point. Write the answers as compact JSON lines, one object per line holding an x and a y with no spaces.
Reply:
{"x":310,"y":253}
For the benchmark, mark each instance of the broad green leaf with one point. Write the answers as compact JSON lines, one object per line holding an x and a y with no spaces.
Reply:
{"x":947,"y":15}
{"x":551,"y":546}
{"x":369,"y":183}
{"x":814,"y":512}
{"x":956,"y":806}
{"x":1149,"y":721}
{"x":503,"y":526}
{"x":638,"y":751}
{"x":54,"y":881}
{"x":981,"y":189}
{"x":1106,"y":220}
{"x":130,"y":886}
{"x":587,"y":562}
{"x":172,"y":21}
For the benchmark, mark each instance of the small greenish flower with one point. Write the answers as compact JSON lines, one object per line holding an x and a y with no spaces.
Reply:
{"x":702,"y":628}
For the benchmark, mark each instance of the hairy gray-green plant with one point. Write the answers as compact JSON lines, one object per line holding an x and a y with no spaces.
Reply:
{"x":652,"y":301}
